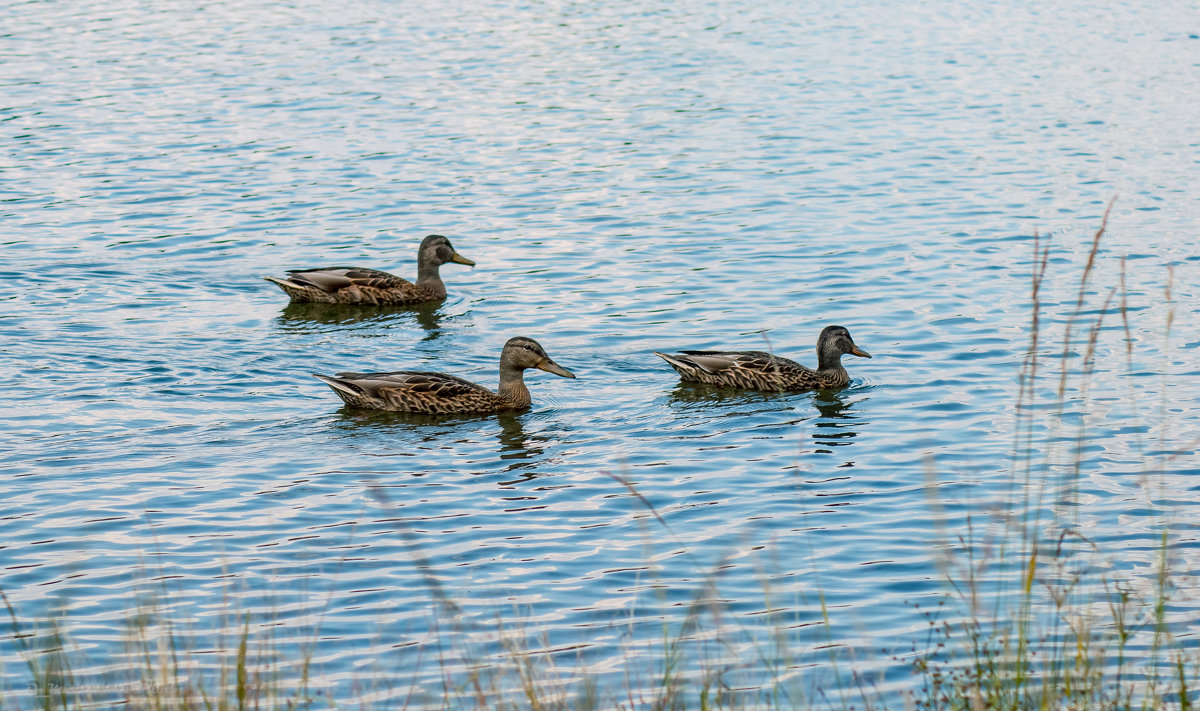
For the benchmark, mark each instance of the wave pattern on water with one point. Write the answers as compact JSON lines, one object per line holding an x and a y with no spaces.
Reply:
{"x":628,"y":179}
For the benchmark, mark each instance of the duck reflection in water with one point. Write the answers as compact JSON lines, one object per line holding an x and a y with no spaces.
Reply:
{"x":358,"y":422}
{"x":704,"y":395}
{"x":837,"y":425}
{"x":304,"y":317}
{"x":519,"y":451}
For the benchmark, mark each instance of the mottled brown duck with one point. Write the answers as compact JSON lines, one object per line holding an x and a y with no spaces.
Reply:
{"x":358,"y":285}
{"x":439,"y":393}
{"x":755,"y":370}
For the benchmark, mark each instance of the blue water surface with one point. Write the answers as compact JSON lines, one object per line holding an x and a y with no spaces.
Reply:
{"x":629,"y":177}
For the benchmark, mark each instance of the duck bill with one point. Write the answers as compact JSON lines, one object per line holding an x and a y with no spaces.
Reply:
{"x":855,"y":350}
{"x":551,"y":367}
{"x":459,"y":259}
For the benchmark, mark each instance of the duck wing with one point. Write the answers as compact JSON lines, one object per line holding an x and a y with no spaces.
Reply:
{"x":755,"y":361}
{"x":332,"y":279}
{"x":414,"y":391}
{"x":745,"y":369}
{"x":414,"y":383}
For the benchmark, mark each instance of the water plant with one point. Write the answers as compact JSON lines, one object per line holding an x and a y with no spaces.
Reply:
{"x":1044,"y":618}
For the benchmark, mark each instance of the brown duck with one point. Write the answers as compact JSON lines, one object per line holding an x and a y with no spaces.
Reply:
{"x":755,"y":370}
{"x":439,"y":393}
{"x":357,"y":285}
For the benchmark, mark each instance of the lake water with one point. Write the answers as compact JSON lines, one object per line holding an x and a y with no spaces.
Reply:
{"x":629,"y":177}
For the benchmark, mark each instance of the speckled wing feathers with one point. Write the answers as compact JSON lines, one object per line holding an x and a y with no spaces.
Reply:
{"x":752,"y":370}
{"x":437,"y":384}
{"x":415,"y":391}
{"x":352,"y":285}
{"x":334,"y":278}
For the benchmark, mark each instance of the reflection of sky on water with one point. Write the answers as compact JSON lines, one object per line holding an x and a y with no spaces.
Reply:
{"x":626,"y":182}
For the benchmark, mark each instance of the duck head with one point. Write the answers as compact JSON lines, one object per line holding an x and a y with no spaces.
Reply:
{"x":437,"y":250}
{"x":833,"y":343}
{"x":521,"y":353}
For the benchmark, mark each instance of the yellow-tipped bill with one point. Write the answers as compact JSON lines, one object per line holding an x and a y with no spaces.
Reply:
{"x":459,"y":259}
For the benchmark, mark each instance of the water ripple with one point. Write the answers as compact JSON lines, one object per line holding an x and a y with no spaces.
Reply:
{"x":628,"y":180}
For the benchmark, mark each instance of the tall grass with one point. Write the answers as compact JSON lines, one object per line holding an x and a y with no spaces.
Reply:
{"x":1034,"y":617}
{"x":1044,"y":620}
{"x":159,"y":668}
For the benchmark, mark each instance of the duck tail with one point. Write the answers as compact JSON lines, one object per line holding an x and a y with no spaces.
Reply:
{"x":288,"y":287}
{"x":683,"y":366}
{"x":343,"y":388}
{"x":298,"y":291}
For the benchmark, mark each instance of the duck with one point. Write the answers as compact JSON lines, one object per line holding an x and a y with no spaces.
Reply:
{"x":442,"y":394}
{"x":359,"y":285}
{"x":755,"y":370}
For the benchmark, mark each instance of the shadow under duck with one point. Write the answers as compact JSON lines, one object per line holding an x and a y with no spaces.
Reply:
{"x":359,"y":285}
{"x":755,"y":370}
{"x":442,"y":394}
